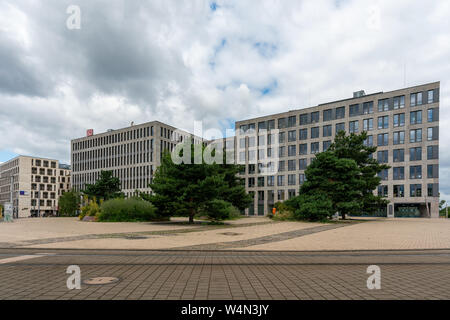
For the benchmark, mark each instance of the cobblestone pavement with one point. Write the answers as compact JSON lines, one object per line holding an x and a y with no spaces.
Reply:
{"x":408,"y":274}
{"x":263,"y":240}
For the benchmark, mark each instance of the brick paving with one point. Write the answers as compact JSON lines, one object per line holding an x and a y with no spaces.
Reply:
{"x":213,"y":275}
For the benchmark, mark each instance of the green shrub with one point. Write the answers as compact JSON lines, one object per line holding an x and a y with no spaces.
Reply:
{"x":92,"y":209}
{"x":131,"y":209}
{"x":316,"y":207}
{"x":218,"y":210}
{"x":284,"y":212}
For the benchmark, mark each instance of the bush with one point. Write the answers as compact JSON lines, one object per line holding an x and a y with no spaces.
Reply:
{"x":219,"y":210}
{"x":131,"y":209}
{"x":315,"y":207}
{"x":92,"y":209}
{"x":285,"y":211}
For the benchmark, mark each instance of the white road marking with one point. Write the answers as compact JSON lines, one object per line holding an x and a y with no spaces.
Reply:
{"x":20,"y":258}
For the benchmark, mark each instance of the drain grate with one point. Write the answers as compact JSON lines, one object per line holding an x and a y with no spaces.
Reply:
{"x":101,"y":280}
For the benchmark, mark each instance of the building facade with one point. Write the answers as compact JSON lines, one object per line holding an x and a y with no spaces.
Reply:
{"x":132,"y":154}
{"x":403,"y":124}
{"x":33,"y":185}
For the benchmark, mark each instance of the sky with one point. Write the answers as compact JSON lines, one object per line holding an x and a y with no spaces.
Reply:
{"x":210,"y":61}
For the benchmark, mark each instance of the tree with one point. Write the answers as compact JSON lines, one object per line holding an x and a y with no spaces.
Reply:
{"x":332,"y":185}
{"x":68,"y":204}
{"x":353,"y":147}
{"x":187,"y":188}
{"x":106,"y":187}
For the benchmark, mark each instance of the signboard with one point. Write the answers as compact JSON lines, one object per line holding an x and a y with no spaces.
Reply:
{"x":23,"y":193}
{"x":89,"y":132}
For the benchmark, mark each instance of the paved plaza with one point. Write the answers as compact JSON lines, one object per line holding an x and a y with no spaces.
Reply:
{"x":250,"y":258}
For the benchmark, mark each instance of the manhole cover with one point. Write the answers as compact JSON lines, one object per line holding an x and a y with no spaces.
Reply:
{"x":231,"y":234}
{"x":101,"y":280}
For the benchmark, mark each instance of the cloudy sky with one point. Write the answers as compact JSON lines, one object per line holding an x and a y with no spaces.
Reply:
{"x":181,"y":61}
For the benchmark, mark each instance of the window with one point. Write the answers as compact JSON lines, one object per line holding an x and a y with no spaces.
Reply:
{"x":303,"y":134}
{"x":281,"y":151}
{"x":304,"y":119}
{"x":415,"y":172}
{"x":399,"y":173}
{"x":260,"y":181}
{"x":326,"y":145}
{"x":314,"y":132}
{"x":327,"y":131}
{"x":432,"y":115}
{"x":432,"y":171}
{"x":314,"y":116}
{"x":382,"y":156}
{"x":291,"y":179}
{"x":301,"y":178}
{"x":369,"y":141}
{"x":261,"y":141}
{"x":383,"y":122}
{"x":280,"y":180}
{"x":303,"y":149}
{"x":368,"y":107}
{"x":292,"y":151}
{"x":433,"y":190}
{"x":262,"y":125}
{"x":416,"y":99}
{"x":327,"y":115}
{"x":281,"y":137}
{"x":251,"y":142}
{"x":399,"y":191}
{"x":281,"y":166}
{"x":280,"y":194}
{"x":415,"y":154}
{"x":340,"y":113}
{"x":242,"y":157}
{"x":399,"y":137}
{"x":292,"y":165}
{"x":292,"y":136}
{"x":430,"y":96}
{"x":416,"y":117}
{"x":302,"y":164}
{"x":251,"y":155}
{"x":399,"y":155}
{"x":383,"y":191}
{"x":399,"y":102}
{"x":432,"y":152}
{"x":383,"y":174}
{"x":383,"y":105}
{"x":368,"y":124}
{"x":415,"y":190}
{"x":292,"y":121}
{"x":433,"y":133}
{"x":251,"y":182}
{"x":354,"y":126}
{"x":314,"y":147}
{"x":270,"y":181}
{"x":271,"y":124}
{"x":261,"y":154}
{"x":354,"y":110}
{"x":282,"y":123}
{"x":340,"y":127}
{"x":399,"y":120}
{"x":383,"y":139}
{"x":251,"y":169}
{"x":415,"y":135}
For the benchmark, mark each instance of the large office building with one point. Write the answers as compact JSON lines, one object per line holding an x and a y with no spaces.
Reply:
{"x":132,"y":154}
{"x":33,"y":185}
{"x":403,"y":124}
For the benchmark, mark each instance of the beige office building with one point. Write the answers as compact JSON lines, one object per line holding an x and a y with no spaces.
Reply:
{"x":33,"y":185}
{"x":132,"y":154}
{"x":403,"y":124}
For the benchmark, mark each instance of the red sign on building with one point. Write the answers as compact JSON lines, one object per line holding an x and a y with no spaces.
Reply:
{"x":89,"y":132}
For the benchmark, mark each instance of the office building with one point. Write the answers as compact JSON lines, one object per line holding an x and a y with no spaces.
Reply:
{"x":403,"y":124}
{"x":33,"y":185}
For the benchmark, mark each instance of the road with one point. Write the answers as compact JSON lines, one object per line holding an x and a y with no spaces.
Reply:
{"x":217,"y":275}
